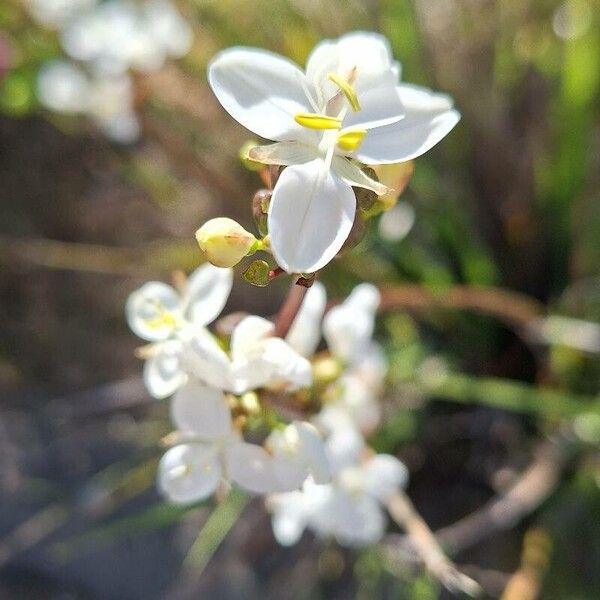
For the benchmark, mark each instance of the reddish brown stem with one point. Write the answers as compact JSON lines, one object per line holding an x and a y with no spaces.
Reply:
{"x":275,"y":273}
{"x":289,"y":309}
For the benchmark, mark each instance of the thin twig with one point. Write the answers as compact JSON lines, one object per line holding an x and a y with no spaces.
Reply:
{"x":429,"y":550}
{"x":518,"y":311}
{"x":526,"y":494}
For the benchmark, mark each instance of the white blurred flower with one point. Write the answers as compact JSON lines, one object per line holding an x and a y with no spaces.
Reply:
{"x":167,"y":27}
{"x":348,"y":328}
{"x":352,"y":400}
{"x":111,"y":107}
{"x":117,"y":35}
{"x":348,"y":106}
{"x":158,"y":313}
{"x":109,"y":38}
{"x":396,"y":223}
{"x":213,"y":451}
{"x":55,"y":13}
{"x":64,"y":87}
{"x":349,"y":508}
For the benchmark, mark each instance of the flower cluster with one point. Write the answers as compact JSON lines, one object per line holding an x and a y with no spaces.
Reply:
{"x":347,"y":110}
{"x":235,"y":385}
{"x":207,"y":379}
{"x":348,"y":381}
{"x":316,"y":473}
{"x":105,"y":40}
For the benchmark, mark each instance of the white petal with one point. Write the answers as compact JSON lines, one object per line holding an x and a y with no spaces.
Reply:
{"x":288,"y":518}
{"x":305,"y":333}
{"x":365,"y":296}
{"x":246,"y":336}
{"x":163,"y":372}
{"x":310,"y":216}
{"x":378,"y":107}
{"x":283,"y":153}
{"x":353,"y":175}
{"x":290,"y":473}
{"x":312,"y":452}
{"x":298,"y":451}
{"x":429,"y":118}
{"x":368,"y":54}
{"x":205,"y":359}
{"x":358,"y":399}
{"x":262,"y":91}
{"x":372,"y":367}
{"x":289,"y":370}
{"x":188,"y":473}
{"x":383,"y":475}
{"x":251,"y":467}
{"x":151,"y":310}
{"x":348,"y":328}
{"x":63,"y":87}
{"x":202,"y":411}
{"x":271,"y":363}
{"x":344,"y":447}
{"x":208,"y":289}
{"x":358,"y":521}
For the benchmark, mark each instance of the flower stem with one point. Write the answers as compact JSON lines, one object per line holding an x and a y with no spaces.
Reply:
{"x":289,"y":309}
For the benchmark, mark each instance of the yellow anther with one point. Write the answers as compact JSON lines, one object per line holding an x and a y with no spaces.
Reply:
{"x":351,"y":140}
{"x":317,"y":121}
{"x":346,"y":89}
{"x":163,"y":319}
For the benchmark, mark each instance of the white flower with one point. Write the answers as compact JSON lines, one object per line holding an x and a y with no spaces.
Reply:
{"x":156,"y":312}
{"x":117,"y":35}
{"x":63,"y":87}
{"x":183,"y":347}
{"x":108,"y":101}
{"x":259,"y":359}
{"x":54,"y":13}
{"x":348,"y":328}
{"x":347,"y":108}
{"x":213,"y":451}
{"x":350,"y":507}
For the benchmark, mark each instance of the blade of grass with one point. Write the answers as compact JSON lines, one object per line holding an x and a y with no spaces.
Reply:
{"x":509,"y":395}
{"x":214,"y":531}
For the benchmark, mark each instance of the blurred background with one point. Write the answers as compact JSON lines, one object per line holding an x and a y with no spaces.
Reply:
{"x":113,"y":151}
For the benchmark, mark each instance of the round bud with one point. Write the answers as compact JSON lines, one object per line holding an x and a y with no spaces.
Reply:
{"x":224,"y":241}
{"x":260,"y":209}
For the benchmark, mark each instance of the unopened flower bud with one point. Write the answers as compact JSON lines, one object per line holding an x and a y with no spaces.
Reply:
{"x":260,"y":209}
{"x":224,"y":241}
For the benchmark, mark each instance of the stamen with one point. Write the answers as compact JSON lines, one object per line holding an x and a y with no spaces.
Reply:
{"x":163,"y":319}
{"x":347,"y":89}
{"x":351,"y":140}
{"x":317,"y":121}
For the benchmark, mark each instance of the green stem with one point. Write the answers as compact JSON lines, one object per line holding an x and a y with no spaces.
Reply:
{"x":510,"y":395}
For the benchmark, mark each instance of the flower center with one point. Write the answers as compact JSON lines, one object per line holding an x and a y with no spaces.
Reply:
{"x":348,"y":141}
{"x":163,"y":318}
